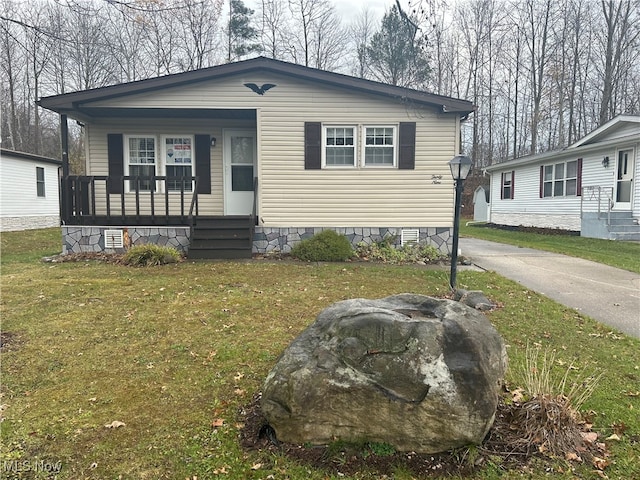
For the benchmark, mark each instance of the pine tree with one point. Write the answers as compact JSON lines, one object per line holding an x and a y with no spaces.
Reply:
{"x":242,"y":36}
{"x":396,"y":53}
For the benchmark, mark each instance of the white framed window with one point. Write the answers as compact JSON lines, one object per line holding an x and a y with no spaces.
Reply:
{"x":340,"y":146}
{"x":560,"y":179}
{"x":178,"y":162}
{"x":140,"y":161}
{"x":379,"y":146}
{"x":506,"y":185}
{"x":40,"y":182}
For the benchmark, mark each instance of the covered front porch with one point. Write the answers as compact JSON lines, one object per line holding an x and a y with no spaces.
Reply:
{"x":166,"y":181}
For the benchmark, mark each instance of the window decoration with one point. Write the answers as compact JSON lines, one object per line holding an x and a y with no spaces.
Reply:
{"x":178,"y":158}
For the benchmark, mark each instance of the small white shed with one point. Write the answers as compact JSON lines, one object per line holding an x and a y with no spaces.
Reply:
{"x":481,"y":204}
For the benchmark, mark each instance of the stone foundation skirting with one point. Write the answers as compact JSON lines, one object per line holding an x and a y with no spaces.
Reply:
{"x":282,"y":239}
{"x":15,"y":224}
{"x":78,"y":239}
{"x":562,"y":222}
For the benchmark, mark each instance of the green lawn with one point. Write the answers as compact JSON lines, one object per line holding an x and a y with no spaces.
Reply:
{"x":625,"y":255}
{"x":169,"y":351}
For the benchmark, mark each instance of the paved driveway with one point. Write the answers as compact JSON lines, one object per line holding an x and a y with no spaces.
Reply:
{"x":607,"y":294}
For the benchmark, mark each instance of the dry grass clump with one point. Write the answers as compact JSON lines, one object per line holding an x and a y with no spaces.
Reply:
{"x":549,"y":420}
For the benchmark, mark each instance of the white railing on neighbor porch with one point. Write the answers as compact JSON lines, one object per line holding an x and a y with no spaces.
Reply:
{"x":597,"y":199}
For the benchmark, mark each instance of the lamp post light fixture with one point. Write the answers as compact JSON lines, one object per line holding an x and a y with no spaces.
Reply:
{"x":460,"y":166}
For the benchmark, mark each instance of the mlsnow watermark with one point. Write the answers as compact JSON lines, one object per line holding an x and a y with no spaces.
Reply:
{"x":33,"y":466}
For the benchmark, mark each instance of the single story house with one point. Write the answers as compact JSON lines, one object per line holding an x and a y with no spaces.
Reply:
{"x":587,"y":187}
{"x":256,"y":155}
{"x":29,"y":191}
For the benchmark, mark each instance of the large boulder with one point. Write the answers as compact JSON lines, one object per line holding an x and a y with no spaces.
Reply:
{"x":419,"y":373}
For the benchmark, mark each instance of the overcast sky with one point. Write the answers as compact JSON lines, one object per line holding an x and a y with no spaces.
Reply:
{"x":347,"y":9}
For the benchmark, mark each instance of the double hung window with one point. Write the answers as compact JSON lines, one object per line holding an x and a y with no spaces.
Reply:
{"x":140,"y":153}
{"x":377,"y":146}
{"x":178,"y":160}
{"x":560,"y":179}
{"x":40,"y":181}
{"x":340,"y":146}
{"x":147,"y":158}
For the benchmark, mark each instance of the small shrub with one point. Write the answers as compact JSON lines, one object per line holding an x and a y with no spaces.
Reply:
{"x":326,"y":246}
{"x":149,"y":255}
{"x":384,"y":251}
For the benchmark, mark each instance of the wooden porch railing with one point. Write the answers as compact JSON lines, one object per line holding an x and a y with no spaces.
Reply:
{"x":86,"y":200}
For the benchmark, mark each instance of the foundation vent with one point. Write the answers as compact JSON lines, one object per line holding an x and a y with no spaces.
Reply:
{"x":409,"y":237}
{"x":113,"y":239}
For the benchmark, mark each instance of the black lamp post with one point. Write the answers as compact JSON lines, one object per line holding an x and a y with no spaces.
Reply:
{"x":460,"y":166}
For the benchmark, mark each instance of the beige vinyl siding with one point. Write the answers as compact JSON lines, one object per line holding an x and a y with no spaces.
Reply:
{"x":211,"y":204}
{"x":291,"y":196}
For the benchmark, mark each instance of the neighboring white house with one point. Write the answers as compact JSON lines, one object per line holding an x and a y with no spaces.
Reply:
{"x":291,"y":150}
{"x":29,"y":192}
{"x":587,"y":187}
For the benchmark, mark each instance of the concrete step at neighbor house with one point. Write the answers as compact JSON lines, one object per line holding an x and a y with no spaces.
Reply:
{"x":622,"y":226}
{"x":224,"y":237}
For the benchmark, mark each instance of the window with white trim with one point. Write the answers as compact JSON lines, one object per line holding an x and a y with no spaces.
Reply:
{"x":170,"y":156}
{"x":140,"y":161}
{"x":560,"y":179}
{"x":178,"y":162}
{"x":506,"y":192}
{"x":379,"y":146}
{"x":40,"y":181}
{"x":340,"y":146}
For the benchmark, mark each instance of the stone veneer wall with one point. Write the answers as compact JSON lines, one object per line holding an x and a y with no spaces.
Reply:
{"x":274,"y":239}
{"x":78,"y":239}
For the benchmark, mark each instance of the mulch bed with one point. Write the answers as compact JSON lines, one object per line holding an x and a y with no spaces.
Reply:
{"x":503,"y":446}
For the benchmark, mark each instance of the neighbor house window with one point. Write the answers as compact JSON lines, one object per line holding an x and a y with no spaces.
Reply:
{"x":560,"y":179}
{"x":178,"y":163}
{"x":379,"y":146}
{"x":140,"y":160}
{"x":506,"y":187}
{"x":340,"y":146}
{"x":40,"y":181}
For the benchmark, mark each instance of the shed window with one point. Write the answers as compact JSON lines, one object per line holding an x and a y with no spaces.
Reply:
{"x":40,"y":181}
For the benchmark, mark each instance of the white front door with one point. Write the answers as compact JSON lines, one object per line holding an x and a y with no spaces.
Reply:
{"x":625,"y":166}
{"x":239,"y":158}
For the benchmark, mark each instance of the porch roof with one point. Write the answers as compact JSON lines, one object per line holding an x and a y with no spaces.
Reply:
{"x":76,"y":102}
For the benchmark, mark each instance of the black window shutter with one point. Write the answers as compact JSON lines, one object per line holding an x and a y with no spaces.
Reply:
{"x":115,"y":155}
{"x":502,"y":186}
{"x":312,"y":145}
{"x":541,"y":181}
{"x":407,"y":157}
{"x":203,"y":162}
{"x":579,"y":179}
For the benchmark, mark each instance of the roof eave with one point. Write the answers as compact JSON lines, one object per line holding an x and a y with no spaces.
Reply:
{"x":70,"y":102}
